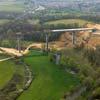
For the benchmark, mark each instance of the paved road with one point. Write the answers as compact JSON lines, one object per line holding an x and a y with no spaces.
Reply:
{"x":71,"y":30}
{"x":5,"y":59}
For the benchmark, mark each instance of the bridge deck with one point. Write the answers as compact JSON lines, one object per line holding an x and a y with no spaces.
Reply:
{"x":72,"y":30}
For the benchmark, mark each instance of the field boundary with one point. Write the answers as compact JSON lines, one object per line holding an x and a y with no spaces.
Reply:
{"x":29,"y":75}
{"x":10,"y":87}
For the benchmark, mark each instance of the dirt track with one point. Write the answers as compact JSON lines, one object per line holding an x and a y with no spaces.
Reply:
{"x":15,"y":52}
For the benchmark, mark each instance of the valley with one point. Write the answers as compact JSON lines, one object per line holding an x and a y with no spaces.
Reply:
{"x":49,"y":50}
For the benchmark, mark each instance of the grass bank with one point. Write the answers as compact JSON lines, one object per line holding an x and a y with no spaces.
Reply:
{"x":51,"y":82}
{"x":68,"y":21}
{"x":7,"y":70}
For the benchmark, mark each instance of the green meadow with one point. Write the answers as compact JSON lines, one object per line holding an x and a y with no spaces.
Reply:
{"x":51,"y":82}
{"x":7,"y":70}
{"x":68,"y":21}
{"x":12,"y":8}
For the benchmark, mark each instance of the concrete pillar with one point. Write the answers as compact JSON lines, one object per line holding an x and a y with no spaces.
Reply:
{"x":58,"y":56}
{"x":73,"y":38}
{"x":47,"y":42}
{"x":18,"y":41}
{"x":19,"y":47}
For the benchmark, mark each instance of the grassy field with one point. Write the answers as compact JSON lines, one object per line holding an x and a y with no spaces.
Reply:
{"x":36,"y":21}
{"x":68,"y":21}
{"x":12,"y":78}
{"x":6,"y":72}
{"x":50,"y":83}
{"x":4,"y":21}
{"x":12,"y":8}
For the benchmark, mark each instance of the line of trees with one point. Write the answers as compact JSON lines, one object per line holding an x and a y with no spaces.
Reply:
{"x":31,"y":32}
{"x":88,"y":17}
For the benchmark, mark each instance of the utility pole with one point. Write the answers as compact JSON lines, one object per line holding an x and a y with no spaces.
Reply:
{"x":18,"y":41}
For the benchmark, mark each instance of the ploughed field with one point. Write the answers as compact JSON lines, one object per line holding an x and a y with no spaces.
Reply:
{"x":50,"y":82}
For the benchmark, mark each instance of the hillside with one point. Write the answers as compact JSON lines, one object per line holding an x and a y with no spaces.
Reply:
{"x":87,"y":38}
{"x":80,"y":22}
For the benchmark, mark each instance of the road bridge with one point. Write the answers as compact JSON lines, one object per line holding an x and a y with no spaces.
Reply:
{"x":74,"y":32}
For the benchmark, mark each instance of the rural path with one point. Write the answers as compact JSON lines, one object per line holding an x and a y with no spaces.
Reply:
{"x":34,"y":45}
{"x":5,"y":59}
{"x":10,"y":51}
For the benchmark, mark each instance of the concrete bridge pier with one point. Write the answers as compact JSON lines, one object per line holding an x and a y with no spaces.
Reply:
{"x":73,"y":38}
{"x":47,"y":42}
